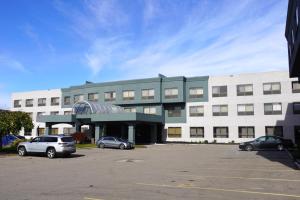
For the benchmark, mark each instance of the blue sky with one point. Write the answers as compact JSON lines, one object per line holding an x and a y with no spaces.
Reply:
{"x":52,"y":44}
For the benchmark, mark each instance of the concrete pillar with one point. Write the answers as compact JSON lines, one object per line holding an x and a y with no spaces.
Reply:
{"x":153,"y":133}
{"x":48,"y":129}
{"x":77,"y":127}
{"x":103,"y":132}
{"x":98,"y":131}
{"x":131,"y":133}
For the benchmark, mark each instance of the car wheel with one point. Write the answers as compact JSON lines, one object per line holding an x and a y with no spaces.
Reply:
{"x":51,"y":153}
{"x":122,"y":146}
{"x":101,"y":145}
{"x":280,"y":147}
{"x":249,"y":148}
{"x":22,"y":151}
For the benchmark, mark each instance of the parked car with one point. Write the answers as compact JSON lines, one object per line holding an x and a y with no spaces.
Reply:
{"x":114,"y":142}
{"x":267,"y":142}
{"x":51,"y":145}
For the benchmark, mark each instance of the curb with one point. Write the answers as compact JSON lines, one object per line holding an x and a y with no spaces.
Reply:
{"x":297,"y":164}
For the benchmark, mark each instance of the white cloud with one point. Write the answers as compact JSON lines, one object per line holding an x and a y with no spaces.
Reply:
{"x":10,"y":63}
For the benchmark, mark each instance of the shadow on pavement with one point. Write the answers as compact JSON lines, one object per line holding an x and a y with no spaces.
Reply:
{"x":277,"y":156}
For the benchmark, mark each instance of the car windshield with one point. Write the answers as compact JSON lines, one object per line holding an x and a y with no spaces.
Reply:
{"x":67,"y":139}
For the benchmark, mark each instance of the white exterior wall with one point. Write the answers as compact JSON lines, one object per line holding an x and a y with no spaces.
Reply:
{"x":35,"y":95}
{"x":287,"y":119}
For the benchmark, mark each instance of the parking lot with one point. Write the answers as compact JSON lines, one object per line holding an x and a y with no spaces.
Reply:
{"x":172,"y":171}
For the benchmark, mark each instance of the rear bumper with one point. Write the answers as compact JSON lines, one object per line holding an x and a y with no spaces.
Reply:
{"x":67,"y":150}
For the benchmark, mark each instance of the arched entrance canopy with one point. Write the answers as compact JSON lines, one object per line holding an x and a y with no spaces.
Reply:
{"x":88,"y":107}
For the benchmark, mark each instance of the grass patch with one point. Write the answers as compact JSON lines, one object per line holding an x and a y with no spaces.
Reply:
{"x":8,"y":150}
{"x":140,"y":146}
{"x":85,"y":146}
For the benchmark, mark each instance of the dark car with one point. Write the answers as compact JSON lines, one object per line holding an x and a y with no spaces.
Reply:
{"x":267,"y":142}
{"x":114,"y":142}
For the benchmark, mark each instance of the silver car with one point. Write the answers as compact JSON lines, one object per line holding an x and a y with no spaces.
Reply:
{"x":51,"y":145}
{"x":114,"y":142}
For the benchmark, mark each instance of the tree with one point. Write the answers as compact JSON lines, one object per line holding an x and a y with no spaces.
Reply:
{"x":13,"y":122}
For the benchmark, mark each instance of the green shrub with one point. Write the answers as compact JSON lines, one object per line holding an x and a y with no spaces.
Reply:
{"x":205,"y":142}
{"x":214,"y":141}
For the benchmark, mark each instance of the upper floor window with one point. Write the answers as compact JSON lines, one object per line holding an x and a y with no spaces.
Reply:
{"x":296,"y":87}
{"x":78,"y":98}
{"x":110,"y":96}
{"x":244,"y":90}
{"x":17,"y":103}
{"x":40,"y":114}
{"x":196,"y":92}
{"x":67,"y":100}
{"x":219,"y":91}
{"x":128,"y":95}
{"x":54,"y":113}
{"x":171,"y":93}
{"x":221,"y":132}
{"x":296,"y":107}
{"x":29,"y":102}
{"x":196,"y":111}
{"x":272,"y":88}
{"x":273,"y":108}
{"x":93,"y":96}
{"x":42,"y":102}
{"x":174,"y":111}
{"x":130,"y":109}
{"x":67,"y":112}
{"x":245,"y":109}
{"x":148,"y":94}
{"x":54,"y":101}
{"x":196,"y":132}
{"x":274,"y":131}
{"x":150,"y":110}
{"x":220,"y":110}
{"x":246,"y":132}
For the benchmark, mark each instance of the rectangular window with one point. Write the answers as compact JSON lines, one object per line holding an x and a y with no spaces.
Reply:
{"x":296,"y":107}
{"x":68,"y":131}
{"x":272,"y":88}
{"x":220,"y":110}
{"x":67,"y":112}
{"x":53,"y":131}
{"x":245,"y":109}
{"x":196,"y":111}
{"x":67,"y":100}
{"x":110,"y":96}
{"x":174,"y":111}
{"x":150,"y":110}
{"x":174,"y":132}
{"x":273,"y":108}
{"x":274,"y":131}
{"x":27,"y":132}
{"x":54,"y":101}
{"x":128,"y":95}
{"x":296,"y":87}
{"x":220,"y":132}
{"x":197,"y":132}
{"x":78,"y":97}
{"x":196,"y":92}
{"x":41,"y":131}
{"x":148,"y":94}
{"x":29,"y":103}
{"x":42,"y":102}
{"x":130,"y":109}
{"x":219,"y":91}
{"x":54,"y":113}
{"x":17,"y":103}
{"x":93,"y":96}
{"x":246,"y":132}
{"x":171,"y":93}
{"x":244,"y":90}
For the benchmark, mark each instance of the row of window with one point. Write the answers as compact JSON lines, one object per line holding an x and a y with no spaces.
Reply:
{"x":223,"y":132}
{"x":41,"y":102}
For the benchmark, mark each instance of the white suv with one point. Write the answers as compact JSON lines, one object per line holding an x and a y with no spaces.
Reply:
{"x":50,"y":144}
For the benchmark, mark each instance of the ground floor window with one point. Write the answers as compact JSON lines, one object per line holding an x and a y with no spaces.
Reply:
{"x":41,"y":131}
{"x":274,"y":131}
{"x":196,"y":132}
{"x":174,"y":132}
{"x":246,"y":132}
{"x":54,"y":131}
{"x":221,"y":132}
{"x":28,"y":132}
{"x":68,"y":131}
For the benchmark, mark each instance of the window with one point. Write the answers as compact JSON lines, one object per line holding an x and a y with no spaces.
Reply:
{"x":274,"y":131}
{"x":130,"y":109}
{"x":78,"y":98}
{"x":244,"y":90}
{"x":174,"y":111}
{"x":196,"y":92}
{"x":53,"y":131}
{"x":17,"y":103}
{"x":40,"y":114}
{"x":246,"y":132}
{"x":67,"y":100}
{"x":219,"y":91}
{"x":68,"y":113}
{"x":128,"y":95}
{"x":27,"y":132}
{"x":245,"y":109}
{"x":68,"y":131}
{"x":196,"y":132}
{"x":272,"y":88}
{"x":171,"y":93}
{"x":174,"y":132}
{"x":54,"y":101}
{"x":42,"y":102}
{"x":296,"y":87}
{"x":29,"y":103}
{"x":220,"y":132}
{"x":196,"y":111}
{"x":273,"y":108}
{"x":148,"y":94}
{"x":54,"y":113}
{"x":41,"y":131}
{"x":93,"y":97}
{"x":296,"y":107}
{"x":50,"y":139}
{"x":110,"y":96}
{"x":220,"y":110}
{"x":150,"y":110}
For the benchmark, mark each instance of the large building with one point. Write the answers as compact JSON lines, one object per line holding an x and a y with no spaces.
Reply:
{"x":175,"y":109}
{"x":292,"y":37}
